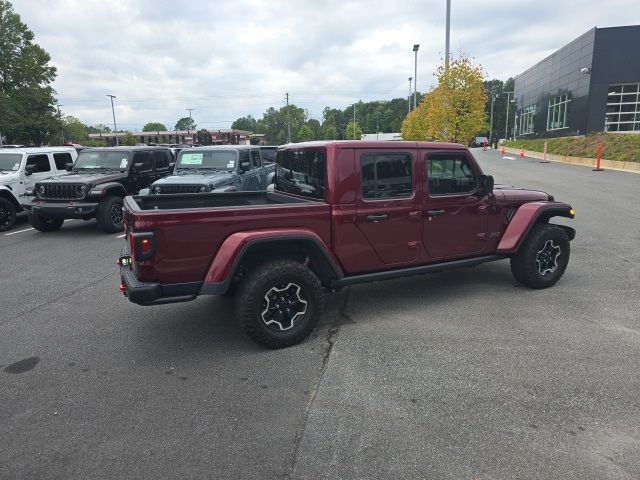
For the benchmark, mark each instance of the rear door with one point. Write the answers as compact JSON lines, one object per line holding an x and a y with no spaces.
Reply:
{"x":455,"y":212}
{"x":142,"y":178}
{"x":161,"y":160}
{"x":389,"y":204}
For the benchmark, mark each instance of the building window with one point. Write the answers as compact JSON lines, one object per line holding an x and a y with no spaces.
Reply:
{"x":526,"y":119}
{"x":557,"y":113}
{"x":623,"y":108}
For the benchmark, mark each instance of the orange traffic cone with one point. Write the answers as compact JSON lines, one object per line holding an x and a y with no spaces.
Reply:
{"x":502,"y":151}
{"x":521,"y":153}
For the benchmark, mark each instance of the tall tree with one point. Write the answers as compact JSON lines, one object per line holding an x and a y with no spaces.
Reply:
{"x":348,"y":133}
{"x":453,"y":111}
{"x":186,"y":123}
{"x":154,"y":127}
{"x":27,"y":111}
{"x":247,"y":123}
{"x":204,"y":137}
{"x":74,"y":129}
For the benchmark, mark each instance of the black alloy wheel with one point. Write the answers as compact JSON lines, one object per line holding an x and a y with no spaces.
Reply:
{"x":543,"y":256}
{"x":7,"y":214}
{"x":279,"y":303}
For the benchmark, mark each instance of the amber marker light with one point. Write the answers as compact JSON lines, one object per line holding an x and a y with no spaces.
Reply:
{"x":572,"y":212}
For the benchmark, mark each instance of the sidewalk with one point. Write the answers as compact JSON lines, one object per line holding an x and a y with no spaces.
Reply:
{"x":631,"y":167}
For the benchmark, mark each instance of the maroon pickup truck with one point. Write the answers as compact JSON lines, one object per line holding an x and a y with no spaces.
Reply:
{"x":340,"y":213}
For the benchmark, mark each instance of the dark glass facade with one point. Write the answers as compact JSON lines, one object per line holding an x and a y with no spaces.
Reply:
{"x":572,"y":91}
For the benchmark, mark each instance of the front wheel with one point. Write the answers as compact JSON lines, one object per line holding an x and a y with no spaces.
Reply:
{"x":110,"y":216}
{"x":44,"y":224}
{"x":7,"y":214}
{"x":542,"y":258}
{"x":279,"y":303}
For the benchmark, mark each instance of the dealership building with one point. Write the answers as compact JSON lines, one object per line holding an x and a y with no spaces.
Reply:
{"x":590,"y":85}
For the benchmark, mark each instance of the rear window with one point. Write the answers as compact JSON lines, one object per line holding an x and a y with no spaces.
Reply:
{"x":301,"y":172}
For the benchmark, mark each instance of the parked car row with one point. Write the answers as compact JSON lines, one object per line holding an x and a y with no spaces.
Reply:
{"x":52,"y":184}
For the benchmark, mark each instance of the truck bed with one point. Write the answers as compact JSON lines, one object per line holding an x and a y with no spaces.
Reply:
{"x":190,"y":228}
{"x":213,"y":200}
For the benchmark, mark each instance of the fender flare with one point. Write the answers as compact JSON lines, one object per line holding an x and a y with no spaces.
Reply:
{"x":238,"y":245}
{"x":108,"y":188}
{"x":526,"y":217}
{"x":6,"y":192}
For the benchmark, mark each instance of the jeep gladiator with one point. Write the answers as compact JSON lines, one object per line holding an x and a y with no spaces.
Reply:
{"x":339,"y":213}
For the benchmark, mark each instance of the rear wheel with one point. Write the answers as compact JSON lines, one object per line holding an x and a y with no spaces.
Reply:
{"x":45,"y":224}
{"x":543,"y":257}
{"x":279,"y":303}
{"x":7,"y":214}
{"x":109,"y":216}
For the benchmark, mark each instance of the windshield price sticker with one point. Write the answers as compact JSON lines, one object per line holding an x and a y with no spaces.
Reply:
{"x":230,"y":164}
{"x":191,"y":159}
{"x":123,"y":163}
{"x":16,"y":166}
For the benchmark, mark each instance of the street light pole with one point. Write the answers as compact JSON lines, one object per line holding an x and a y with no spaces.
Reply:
{"x":189,"y":126}
{"x":446,"y":43}
{"x":60,"y":119}
{"x":506,"y":122}
{"x":410,"y":78}
{"x":493,"y":97}
{"x":113,"y":111}
{"x":415,"y":75}
{"x":354,"y":121}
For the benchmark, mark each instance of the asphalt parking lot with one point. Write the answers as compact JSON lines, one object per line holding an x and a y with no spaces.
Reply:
{"x":459,"y":375}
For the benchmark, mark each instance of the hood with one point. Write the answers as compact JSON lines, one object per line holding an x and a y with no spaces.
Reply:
{"x":520,"y":195}
{"x":87,"y":178}
{"x":9,"y":178}
{"x":213,"y":179}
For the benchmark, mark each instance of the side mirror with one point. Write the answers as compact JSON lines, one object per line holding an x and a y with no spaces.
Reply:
{"x":137,"y":167}
{"x":486,"y":183}
{"x":30,"y":169}
{"x":245,"y":166}
{"x":68,"y":167}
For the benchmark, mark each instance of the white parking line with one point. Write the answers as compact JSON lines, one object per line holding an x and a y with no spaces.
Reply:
{"x":29,"y":229}
{"x":120,"y":236}
{"x":18,"y":231}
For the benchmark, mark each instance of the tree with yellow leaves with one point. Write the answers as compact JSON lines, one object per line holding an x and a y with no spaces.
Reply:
{"x":453,"y":110}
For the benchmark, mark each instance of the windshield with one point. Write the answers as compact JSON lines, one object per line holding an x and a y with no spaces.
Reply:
{"x":212,"y":159}
{"x":10,"y":162}
{"x":101,"y":160}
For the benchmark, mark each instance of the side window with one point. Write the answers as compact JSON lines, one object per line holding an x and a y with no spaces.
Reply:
{"x":144,"y":158}
{"x":243,"y":156}
{"x":61,"y":159}
{"x":255,"y":159}
{"x":160,"y":160}
{"x":40,"y":161}
{"x":386,"y":175}
{"x":449,"y":174}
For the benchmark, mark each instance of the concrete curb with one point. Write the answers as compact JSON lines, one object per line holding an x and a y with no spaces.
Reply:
{"x":630,"y":167}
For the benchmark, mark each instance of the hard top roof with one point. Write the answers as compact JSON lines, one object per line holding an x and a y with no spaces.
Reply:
{"x":36,"y":149}
{"x":124,"y":148}
{"x":390,"y":144}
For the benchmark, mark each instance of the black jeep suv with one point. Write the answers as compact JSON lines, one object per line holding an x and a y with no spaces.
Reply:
{"x":98,"y":181}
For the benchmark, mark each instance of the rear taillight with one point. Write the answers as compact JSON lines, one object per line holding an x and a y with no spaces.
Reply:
{"x":143,"y":246}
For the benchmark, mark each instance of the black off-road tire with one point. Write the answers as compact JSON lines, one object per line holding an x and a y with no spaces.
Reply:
{"x":7,"y":214}
{"x":44,"y":224}
{"x":543,"y":256}
{"x":267,"y":279}
{"x":109,"y":215}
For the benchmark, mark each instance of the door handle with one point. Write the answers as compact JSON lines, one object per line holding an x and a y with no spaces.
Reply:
{"x":376,"y":218}
{"x":434,"y":213}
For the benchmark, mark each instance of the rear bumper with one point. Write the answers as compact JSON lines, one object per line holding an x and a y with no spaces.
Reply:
{"x":154,"y":293}
{"x":63,"y":210}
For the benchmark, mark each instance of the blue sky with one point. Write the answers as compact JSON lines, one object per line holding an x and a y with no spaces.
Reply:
{"x":228,"y":59}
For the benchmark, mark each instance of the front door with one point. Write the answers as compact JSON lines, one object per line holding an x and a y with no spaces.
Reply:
{"x":389,"y":204}
{"x":455,"y":211}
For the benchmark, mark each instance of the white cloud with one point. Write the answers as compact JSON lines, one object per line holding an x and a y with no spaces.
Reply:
{"x":229,"y":59}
